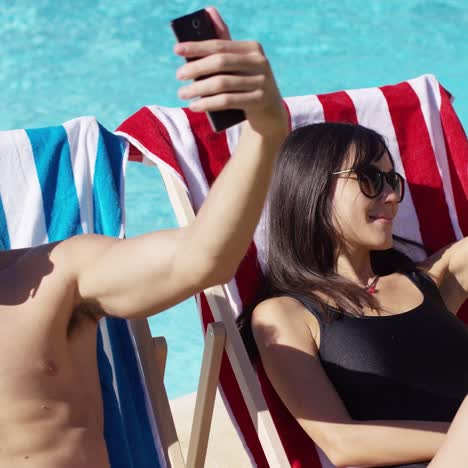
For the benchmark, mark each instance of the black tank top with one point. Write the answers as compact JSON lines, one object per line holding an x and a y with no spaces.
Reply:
{"x":409,"y":366}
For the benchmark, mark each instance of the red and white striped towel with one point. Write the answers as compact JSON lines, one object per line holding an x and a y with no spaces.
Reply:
{"x":430,"y":149}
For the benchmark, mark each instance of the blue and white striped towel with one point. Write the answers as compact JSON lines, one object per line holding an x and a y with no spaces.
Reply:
{"x":56,"y":182}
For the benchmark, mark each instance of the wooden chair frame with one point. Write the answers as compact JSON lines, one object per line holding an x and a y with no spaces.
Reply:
{"x":222,"y":335}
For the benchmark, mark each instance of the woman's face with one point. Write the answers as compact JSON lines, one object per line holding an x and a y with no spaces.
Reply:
{"x":362,"y":222}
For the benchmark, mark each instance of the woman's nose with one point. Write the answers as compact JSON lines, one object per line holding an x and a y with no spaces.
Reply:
{"x":389,"y":194}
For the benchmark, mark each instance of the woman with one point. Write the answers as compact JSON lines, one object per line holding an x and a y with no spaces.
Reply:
{"x":360,"y":343}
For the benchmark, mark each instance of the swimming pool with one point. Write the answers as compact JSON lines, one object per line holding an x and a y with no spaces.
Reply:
{"x":108,"y":59}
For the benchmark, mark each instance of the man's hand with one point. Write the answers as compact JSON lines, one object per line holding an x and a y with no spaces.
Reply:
{"x":449,"y":269}
{"x":238,"y":77}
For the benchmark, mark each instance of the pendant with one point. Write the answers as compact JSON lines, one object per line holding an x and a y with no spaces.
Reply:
{"x":372,"y":288}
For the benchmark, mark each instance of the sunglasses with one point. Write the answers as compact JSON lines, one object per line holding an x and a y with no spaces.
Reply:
{"x":371,"y":181}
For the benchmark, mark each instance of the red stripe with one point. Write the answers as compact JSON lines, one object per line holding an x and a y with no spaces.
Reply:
{"x":213,"y":152}
{"x":213,"y":149}
{"x":234,"y":397}
{"x":134,"y":154}
{"x":456,"y":145}
{"x":285,"y":104}
{"x":420,"y":166}
{"x":249,"y":276}
{"x":300,"y":448}
{"x":149,"y":131}
{"x":338,"y":107}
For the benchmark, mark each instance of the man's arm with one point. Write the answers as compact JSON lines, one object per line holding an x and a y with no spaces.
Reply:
{"x":449,"y":269}
{"x":144,"y":275}
{"x":149,"y":273}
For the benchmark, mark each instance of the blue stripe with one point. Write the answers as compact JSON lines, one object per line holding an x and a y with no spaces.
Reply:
{"x":106,"y":184}
{"x":4,"y":236}
{"x":127,"y":428}
{"x":114,"y":427}
{"x":54,"y":170}
{"x":138,"y":434}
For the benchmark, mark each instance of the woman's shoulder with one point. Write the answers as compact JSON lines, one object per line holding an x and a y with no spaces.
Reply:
{"x":277,"y":308}
{"x":284,"y":317}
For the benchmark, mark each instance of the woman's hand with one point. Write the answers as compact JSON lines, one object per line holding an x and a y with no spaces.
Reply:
{"x":232,"y":75}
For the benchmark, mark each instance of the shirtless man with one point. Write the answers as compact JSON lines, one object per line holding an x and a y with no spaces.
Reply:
{"x":52,"y":296}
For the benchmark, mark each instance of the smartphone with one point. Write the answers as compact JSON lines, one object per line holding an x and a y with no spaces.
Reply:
{"x":199,"y":27}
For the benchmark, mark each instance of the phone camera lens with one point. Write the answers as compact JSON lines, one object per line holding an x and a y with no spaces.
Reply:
{"x":196,"y":23}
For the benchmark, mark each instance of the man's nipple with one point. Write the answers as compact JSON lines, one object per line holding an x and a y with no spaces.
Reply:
{"x":49,"y":367}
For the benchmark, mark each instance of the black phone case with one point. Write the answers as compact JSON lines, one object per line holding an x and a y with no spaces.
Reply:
{"x":198,"y":26}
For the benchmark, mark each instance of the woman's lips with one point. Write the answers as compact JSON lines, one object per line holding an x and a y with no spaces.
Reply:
{"x":381,"y":218}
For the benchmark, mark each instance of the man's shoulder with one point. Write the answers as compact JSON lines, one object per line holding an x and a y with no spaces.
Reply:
{"x":35,"y":281}
{"x":77,"y":251}
{"x":61,"y":259}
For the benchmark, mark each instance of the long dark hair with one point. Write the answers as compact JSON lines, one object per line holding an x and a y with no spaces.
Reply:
{"x":302,"y":241}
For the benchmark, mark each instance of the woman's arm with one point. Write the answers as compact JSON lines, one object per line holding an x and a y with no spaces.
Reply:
{"x":454,"y":450}
{"x":286,"y":336}
{"x":449,"y":269}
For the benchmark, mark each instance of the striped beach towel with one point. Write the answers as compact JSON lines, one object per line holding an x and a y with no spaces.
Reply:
{"x":430,"y":149}
{"x":60,"y":181}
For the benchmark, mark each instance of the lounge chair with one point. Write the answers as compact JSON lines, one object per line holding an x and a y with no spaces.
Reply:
{"x":59,"y":181}
{"x":430,"y":148}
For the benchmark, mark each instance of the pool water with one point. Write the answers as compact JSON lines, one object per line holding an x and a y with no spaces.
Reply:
{"x":107,"y":58}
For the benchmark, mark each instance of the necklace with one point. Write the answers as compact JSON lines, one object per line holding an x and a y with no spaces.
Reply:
{"x":371,"y":287}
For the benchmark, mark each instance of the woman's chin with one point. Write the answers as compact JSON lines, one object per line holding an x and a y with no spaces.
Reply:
{"x":381,"y":243}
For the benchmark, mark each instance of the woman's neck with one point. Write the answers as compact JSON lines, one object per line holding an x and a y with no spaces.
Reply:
{"x":355,"y":265}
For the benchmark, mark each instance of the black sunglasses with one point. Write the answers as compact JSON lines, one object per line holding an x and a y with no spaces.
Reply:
{"x":371,"y":181}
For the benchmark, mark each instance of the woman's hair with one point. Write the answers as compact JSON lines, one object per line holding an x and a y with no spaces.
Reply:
{"x":302,"y":241}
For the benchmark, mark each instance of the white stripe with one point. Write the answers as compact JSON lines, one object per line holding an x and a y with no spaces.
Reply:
{"x":428,"y":92}
{"x":83,"y":136}
{"x":233,"y":297}
{"x":232,"y":137}
{"x":149,"y":158}
{"x":148,"y":404}
{"x":177,"y":125}
{"x":231,"y":289}
{"x":20,"y":191}
{"x":305,"y":110}
{"x":324,"y":460}
{"x":373,"y":112}
{"x":260,"y":237}
{"x":149,"y":162}
{"x":123,"y":218}
{"x":106,"y":346}
{"x":233,"y":419}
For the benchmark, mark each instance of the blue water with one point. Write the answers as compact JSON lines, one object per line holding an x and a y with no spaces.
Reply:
{"x":106,"y":58}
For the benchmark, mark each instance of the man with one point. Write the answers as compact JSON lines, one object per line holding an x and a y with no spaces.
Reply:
{"x":52,"y":296}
